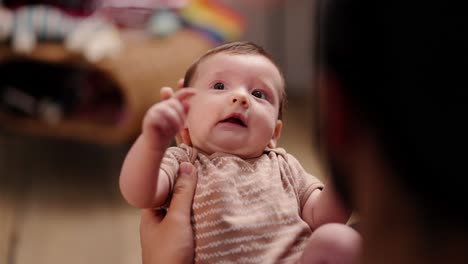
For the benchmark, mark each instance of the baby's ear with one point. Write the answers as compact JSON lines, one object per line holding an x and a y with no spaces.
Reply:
{"x":276,"y":134}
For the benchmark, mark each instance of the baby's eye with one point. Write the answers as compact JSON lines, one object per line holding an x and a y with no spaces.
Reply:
{"x":259,"y":94}
{"x":218,"y":86}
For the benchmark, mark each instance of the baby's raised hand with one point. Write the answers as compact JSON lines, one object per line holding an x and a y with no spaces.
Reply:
{"x":166,"y":118}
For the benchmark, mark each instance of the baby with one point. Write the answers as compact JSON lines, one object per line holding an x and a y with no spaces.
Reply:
{"x":254,"y":203}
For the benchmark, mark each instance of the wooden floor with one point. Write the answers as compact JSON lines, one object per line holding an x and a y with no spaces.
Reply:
{"x":60,"y":203}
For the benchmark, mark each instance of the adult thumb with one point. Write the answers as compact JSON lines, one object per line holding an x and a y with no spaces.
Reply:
{"x":184,"y":189}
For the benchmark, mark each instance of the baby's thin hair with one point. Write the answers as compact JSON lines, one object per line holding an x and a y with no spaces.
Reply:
{"x":237,"y":48}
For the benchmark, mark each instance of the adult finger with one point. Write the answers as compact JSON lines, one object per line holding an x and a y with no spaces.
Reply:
{"x":150,"y":217}
{"x":184,"y":189}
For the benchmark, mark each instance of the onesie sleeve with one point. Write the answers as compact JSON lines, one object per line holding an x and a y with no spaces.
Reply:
{"x":303,"y":182}
{"x":170,"y":163}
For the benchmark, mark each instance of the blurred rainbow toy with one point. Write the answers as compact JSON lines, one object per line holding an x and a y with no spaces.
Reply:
{"x":217,"y":21}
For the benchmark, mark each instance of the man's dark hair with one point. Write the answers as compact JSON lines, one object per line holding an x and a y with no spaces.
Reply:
{"x":403,"y":67}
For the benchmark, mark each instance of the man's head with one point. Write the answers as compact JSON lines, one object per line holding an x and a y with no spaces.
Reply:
{"x":237,"y":106}
{"x":398,"y":72}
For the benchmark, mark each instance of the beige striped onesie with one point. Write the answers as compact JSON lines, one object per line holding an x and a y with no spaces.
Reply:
{"x":246,"y":211}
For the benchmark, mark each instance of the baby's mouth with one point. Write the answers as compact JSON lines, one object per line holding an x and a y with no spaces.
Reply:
{"x":234,"y":120}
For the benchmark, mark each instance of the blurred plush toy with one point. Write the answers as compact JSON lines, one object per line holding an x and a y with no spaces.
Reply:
{"x":93,"y":36}
{"x":212,"y":18}
{"x":163,"y":22}
{"x":160,"y":18}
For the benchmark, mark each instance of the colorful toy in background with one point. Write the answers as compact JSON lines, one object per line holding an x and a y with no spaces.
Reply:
{"x":25,"y":26}
{"x":97,"y":36}
{"x":161,"y":18}
{"x":218,"y":21}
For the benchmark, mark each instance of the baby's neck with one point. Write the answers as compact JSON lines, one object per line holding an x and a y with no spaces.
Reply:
{"x":228,"y":152}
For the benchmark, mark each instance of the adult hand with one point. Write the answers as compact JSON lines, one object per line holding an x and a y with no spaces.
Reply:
{"x":168,"y":238}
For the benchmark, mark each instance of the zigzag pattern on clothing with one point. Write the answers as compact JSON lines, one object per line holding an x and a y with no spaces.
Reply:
{"x":246,"y":211}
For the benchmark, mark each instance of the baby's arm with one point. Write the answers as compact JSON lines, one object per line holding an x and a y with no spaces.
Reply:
{"x":324,"y":206}
{"x":142,"y":183}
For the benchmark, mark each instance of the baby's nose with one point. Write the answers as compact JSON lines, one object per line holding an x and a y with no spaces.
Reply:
{"x":241,"y":99}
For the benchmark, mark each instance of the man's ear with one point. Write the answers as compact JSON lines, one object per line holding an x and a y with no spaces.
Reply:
{"x":276,"y":134}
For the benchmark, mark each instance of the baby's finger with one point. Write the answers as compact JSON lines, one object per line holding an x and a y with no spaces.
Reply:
{"x":174,"y":122}
{"x":166,"y":93}
{"x":179,"y":107}
{"x":185,"y":93}
{"x":180,"y":83}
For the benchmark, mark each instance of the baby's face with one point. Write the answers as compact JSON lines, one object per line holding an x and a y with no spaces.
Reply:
{"x":236,"y":106}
